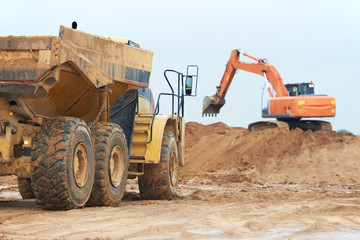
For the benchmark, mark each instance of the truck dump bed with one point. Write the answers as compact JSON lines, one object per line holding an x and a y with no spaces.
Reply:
{"x":55,"y":76}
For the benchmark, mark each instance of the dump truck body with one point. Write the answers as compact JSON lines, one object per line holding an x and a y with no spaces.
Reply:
{"x":60,"y":75}
{"x":71,"y":102}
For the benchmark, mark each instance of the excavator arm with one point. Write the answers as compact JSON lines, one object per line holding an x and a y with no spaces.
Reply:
{"x":212,"y":105}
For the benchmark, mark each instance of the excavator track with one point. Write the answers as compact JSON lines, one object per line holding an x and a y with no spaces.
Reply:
{"x":262,"y":125}
{"x":313,"y":125}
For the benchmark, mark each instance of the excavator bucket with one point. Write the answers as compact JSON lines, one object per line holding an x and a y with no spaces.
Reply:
{"x":211,"y":106}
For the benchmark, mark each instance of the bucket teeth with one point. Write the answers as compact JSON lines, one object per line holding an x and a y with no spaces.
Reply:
{"x":209,"y":114}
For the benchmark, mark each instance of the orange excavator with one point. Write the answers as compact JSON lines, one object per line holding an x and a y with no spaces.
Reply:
{"x":289,"y":103}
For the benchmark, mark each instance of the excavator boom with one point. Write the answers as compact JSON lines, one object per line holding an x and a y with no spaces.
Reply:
{"x":212,"y":104}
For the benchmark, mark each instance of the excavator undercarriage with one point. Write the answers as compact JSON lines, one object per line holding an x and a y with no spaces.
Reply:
{"x":313,"y":125}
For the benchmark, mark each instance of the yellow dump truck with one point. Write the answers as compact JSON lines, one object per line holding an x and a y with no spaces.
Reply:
{"x":77,"y":119}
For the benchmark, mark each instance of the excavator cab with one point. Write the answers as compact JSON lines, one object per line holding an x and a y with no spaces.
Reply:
{"x":300,"y":89}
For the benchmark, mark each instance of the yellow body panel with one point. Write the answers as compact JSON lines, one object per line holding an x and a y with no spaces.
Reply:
{"x":19,"y":166}
{"x":154,"y":147}
{"x":144,"y":106}
{"x":161,"y":124}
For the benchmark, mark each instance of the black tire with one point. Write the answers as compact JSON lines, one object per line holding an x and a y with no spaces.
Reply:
{"x":62,"y":164}
{"x":24,"y":185}
{"x":111,"y":165}
{"x":160,"y":181}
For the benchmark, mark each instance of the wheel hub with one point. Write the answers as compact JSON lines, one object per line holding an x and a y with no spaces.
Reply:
{"x":81,"y":165}
{"x":116,"y":166}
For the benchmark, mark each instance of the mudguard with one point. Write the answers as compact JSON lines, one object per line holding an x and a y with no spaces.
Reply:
{"x":161,"y":124}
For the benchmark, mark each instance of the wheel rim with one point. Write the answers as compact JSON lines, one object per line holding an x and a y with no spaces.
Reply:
{"x":116,"y":166}
{"x":81,"y":165}
{"x":173,"y":168}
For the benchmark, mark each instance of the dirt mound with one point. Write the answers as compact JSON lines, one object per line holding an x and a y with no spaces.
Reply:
{"x":234,"y":154}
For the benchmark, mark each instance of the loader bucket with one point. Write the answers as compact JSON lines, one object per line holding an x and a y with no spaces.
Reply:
{"x":211,"y":107}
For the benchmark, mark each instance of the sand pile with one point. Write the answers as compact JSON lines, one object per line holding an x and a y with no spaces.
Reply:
{"x":233,"y":154}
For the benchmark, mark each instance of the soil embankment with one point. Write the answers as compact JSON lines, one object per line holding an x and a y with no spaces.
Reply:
{"x":233,"y":154}
{"x":270,"y":184}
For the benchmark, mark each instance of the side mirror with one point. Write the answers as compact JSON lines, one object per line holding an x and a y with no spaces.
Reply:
{"x":188,"y":85}
{"x":191,"y":80}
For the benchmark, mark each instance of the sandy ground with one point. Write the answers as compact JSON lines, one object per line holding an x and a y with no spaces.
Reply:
{"x":236,"y":184}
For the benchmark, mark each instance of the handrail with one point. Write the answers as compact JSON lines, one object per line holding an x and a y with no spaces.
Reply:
{"x":180,"y":96}
{"x":172,"y":90}
{"x":156,"y":111}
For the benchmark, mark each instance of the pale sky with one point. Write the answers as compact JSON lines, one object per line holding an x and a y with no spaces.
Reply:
{"x":308,"y":40}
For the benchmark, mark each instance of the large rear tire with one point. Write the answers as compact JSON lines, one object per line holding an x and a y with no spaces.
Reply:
{"x":160,"y":181}
{"x":63,"y":164}
{"x":111,"y":169}
{"x":24,"y":185}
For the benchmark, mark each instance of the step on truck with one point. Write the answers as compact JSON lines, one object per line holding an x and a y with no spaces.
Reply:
{"x":77,"y":119}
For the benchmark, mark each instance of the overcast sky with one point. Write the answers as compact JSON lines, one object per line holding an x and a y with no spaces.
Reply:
{"x":308,"y":40}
